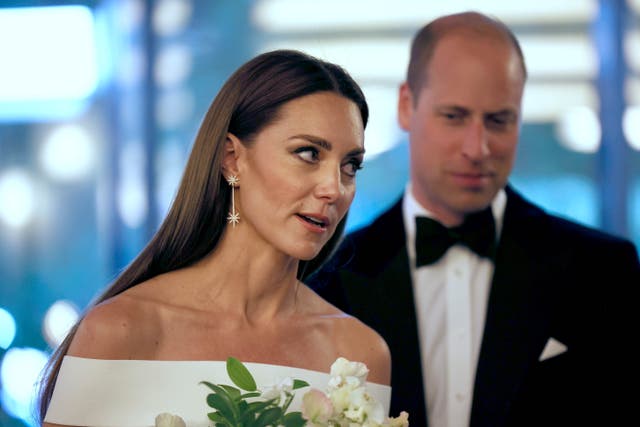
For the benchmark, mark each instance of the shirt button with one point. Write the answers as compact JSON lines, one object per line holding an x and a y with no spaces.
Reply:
{"x":460,"y":396}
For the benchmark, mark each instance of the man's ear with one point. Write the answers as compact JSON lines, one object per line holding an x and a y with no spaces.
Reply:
{"x":232,"y":151}
{"x":405,"y":106}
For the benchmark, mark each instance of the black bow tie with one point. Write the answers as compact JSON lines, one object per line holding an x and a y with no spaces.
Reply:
{"x":477,"y":232}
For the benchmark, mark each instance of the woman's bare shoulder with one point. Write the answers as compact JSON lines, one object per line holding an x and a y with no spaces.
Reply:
{"x":357,"y":341}
{"x":122,"y":327}
{"x":363,"y":344}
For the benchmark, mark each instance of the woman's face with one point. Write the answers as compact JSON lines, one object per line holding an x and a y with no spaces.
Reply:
{"x":297,"y":179}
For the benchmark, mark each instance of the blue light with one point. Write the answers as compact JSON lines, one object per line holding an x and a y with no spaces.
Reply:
{"x":19,"y":374}
{"x":17,"y":198}
{"x":47,"y":54}
{"x":7,"y":328}
{"x":68,"y":153}
{"x":58,"y":320}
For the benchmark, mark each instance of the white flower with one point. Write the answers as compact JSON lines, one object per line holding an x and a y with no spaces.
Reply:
{"x":341,"y":397}
{"x":169,"y":420}
{"x":346,"y":370}
{"x":363,"y":407}
{"x":279,"y":389}
{"x":401,"y":420}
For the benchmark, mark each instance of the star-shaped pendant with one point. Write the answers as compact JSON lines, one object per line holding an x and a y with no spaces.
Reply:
{"x":233,"y":218}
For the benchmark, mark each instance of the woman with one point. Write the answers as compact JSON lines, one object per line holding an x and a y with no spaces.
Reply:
{"x":262,"y":202}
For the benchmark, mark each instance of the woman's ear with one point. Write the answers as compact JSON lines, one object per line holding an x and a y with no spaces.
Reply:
{"x":232,"y":150}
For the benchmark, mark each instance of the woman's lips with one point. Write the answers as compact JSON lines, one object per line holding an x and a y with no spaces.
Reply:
{"x":317,"y":223}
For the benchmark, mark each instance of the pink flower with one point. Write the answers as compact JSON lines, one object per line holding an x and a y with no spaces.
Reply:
{"x":316,"y":407}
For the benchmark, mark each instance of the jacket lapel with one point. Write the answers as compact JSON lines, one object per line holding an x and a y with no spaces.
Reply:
{"x":382,"y":296}
{"x":516,"y":324}
{"x":397,"y":309}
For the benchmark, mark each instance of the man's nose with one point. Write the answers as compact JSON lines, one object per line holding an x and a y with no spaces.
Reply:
{"x":476,"y":141}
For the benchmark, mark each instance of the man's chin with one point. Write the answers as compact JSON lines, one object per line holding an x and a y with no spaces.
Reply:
{"x":474,"y":201}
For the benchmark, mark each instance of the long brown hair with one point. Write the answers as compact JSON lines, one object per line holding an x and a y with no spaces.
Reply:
{"x":249,"y":100}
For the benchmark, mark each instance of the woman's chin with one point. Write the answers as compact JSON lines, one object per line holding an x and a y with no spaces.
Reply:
{"x":308,"y":257}
{"x":308,"y":253}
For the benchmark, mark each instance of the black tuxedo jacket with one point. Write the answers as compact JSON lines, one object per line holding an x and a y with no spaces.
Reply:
{"x":553,"y":279}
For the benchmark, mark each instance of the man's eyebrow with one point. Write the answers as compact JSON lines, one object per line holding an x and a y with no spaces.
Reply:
{"x":507,"y":112}
{"x":460,"y":108}
{"x":449,"y":107}
{"x":504,"y":111}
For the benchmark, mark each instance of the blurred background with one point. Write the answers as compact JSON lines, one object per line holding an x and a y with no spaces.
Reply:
{"x":100,"y":101}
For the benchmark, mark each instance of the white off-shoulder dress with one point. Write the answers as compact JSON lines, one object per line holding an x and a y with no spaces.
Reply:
{"x":131,"y":393}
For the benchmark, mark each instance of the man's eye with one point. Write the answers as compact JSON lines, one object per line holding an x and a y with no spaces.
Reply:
{"x":498,"y":121}
{"x":308,"y":154}
{"x":452,"y":116}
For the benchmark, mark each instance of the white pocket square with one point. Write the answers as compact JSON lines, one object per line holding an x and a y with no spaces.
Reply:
{"x":553,"y":348}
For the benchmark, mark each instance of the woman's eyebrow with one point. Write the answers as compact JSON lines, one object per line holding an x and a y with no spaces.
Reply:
{"x":326,"y":144}
{"x":314,"y":140}
{"x":355,"y":153}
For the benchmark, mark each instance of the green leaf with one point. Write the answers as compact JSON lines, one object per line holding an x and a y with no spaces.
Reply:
{"x":223,"y":405}
{"x":248,"y":416}
{"x":294,"y":419}
{"x":218,"y":388}
{"x":252,"y":394}
{"x":268,"y":417}
{"x":243,"y":406}
{"x":208,"y":384}
{"x":223,"y":394}
{"x":249,"y":411}
{"x":218,"y":419}
{"x":299,"y":384}
{"x":233,"y":392}
{"x":258,"y":406}
{"x":240,"y":375}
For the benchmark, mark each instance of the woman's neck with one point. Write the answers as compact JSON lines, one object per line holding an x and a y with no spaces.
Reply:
{"x":253,"y":280}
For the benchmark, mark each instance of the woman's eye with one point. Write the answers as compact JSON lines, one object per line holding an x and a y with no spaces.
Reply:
{"x":308,"y":154}
{"x":351,"y":167}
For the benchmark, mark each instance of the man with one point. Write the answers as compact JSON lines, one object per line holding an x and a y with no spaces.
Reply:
{"x":532,"y":329}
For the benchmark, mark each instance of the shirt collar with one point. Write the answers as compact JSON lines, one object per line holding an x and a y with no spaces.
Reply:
{"x":411,"y":208}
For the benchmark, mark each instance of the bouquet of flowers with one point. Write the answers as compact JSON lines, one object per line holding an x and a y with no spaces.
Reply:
{"x":345,"y":403}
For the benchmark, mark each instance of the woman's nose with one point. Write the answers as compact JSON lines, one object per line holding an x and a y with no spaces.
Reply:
{"x":329,"y":184}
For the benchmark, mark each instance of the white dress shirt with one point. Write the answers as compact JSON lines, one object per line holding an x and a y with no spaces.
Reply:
{"x":451,"y":301}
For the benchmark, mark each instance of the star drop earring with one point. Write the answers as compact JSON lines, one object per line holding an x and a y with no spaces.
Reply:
{"x":233,"y":217}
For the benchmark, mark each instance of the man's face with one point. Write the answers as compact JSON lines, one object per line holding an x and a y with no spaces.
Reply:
{"x":463,"y":124}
